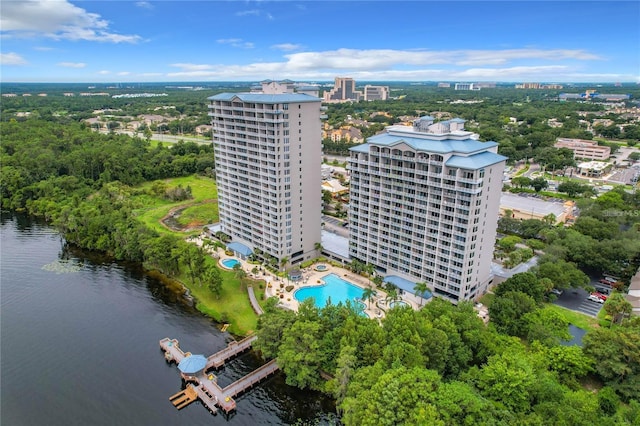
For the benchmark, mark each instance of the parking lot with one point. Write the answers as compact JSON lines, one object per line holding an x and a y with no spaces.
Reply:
{"x":626,"y":176}
{"x":335,"y":225}
{"x":576,"y":300}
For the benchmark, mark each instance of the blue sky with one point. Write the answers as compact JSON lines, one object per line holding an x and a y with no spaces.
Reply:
{"x":139,"y":41}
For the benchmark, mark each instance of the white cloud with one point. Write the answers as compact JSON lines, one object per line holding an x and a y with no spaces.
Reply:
{"x":43,"y":48}
{"x":388,"y":64}
{"x":57,"y":19}
{"x":192,"y":67}
{"x":72,"y":64}
{"x":104,"y":72}
{"x":255,"y":12}
{"x":144,"y":5}
{"x":252,"y":12}
{"x":12,"y":58}
{"x":124,"y":73}
{"x":287,"y":47}
{"x":236,"y":42}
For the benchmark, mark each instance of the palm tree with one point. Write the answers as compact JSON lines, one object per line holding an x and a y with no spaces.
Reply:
{"x":368,"y":295}
{"x":392,"y":294}
{"x":284,"y":261}
{"x":240,"y":274}
{"x":369,"y":268}
{"x":318,"y":247}
{"x":421,"y":288}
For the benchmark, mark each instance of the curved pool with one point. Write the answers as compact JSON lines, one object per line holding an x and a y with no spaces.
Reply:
{"x":334,"y":288}
{"x":230,"y":263}
{"x":398,"y":304}
{"x":321,"y":268}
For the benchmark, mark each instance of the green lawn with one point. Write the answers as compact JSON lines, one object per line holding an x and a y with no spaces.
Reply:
{"x":155,"y":208}
{"x":233,"y":306}
{"x":579,"y":320}
{"x":199,"y":215}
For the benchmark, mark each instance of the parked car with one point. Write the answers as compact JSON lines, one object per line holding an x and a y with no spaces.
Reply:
{"x":600,"y":295}
{"x":556,"y":291}
{"x":605,"y":281}
{"x":604,"y":290}
{"x":595,"y":299}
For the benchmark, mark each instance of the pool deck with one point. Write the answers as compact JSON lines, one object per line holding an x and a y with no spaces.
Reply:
{"x":310,"y":277}
{"x":374,"y":309}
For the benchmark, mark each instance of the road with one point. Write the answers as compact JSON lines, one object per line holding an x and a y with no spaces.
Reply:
{"x":160,"y":137}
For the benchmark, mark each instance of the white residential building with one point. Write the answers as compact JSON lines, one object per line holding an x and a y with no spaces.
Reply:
{"x":268,"y":152}
{"x":424,"y":206}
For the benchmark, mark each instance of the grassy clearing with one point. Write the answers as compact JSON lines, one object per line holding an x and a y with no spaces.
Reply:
{"x":155,"y":208}
{"x":579,"y":320}
{"x":233,"y":306}
{"x":199,"y":215}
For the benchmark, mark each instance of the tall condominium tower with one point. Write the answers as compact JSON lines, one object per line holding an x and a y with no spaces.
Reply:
{"x":268,"y":152}
{"x":344,"y":89}
{"x":424,"y":206}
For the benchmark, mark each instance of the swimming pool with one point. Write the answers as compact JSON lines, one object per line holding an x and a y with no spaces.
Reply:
{"x":398,"y":304}
{"x":321,"y":268}
{"x":334,"y":287}
{"x":230,"y":263}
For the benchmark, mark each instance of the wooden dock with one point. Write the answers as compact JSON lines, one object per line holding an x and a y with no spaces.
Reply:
{"x":184,"y":398}
{"x":234,"y":348}
{"x":207,"y":388}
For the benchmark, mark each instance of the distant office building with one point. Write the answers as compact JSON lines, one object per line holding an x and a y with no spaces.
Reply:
{"x":593,"y":95}
{"x":444,"y":85}
{"x":308,"y":90}
{"x":466,"y":86}
{"x":270,"y":87}
{"x":593,"y":168}
{"x":485,"y":85}
{"x":538,"y":86}
{"x":376,"y":93}
{"x":343,"y":90}
{"x":424,"y":206}
{"x":268,"y":152}
{"x":584,"y":148}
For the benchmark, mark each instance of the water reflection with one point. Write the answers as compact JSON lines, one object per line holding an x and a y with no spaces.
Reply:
{"x":82,"y":347}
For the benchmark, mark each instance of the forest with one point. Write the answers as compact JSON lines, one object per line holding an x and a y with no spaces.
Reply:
{"x":440,"y":365}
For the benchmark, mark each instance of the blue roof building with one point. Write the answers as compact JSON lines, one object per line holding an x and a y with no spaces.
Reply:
{"x":268,"y":151}
{"x":424,"y":206}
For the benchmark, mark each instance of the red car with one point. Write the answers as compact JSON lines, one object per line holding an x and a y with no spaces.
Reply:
{"x":599,"y":295}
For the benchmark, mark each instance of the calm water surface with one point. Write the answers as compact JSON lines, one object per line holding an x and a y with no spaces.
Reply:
{"x":80,"y":344}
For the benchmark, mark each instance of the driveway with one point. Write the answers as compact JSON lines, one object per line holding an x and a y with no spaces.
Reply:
{"x":575,"y":299}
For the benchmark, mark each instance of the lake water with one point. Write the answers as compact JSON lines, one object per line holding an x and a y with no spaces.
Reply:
{"x":80,"y":345}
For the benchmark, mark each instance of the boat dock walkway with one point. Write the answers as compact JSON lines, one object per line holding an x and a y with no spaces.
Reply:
{"x":207,"y":388}
{"x":218,"y":359}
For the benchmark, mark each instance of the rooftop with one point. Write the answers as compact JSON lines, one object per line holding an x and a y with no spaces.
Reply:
{"x":531,"y":204}
{"x":264,"y":98}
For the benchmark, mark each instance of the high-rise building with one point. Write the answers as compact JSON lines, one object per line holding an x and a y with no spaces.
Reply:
{"x":268,"y":151}
{"x":424,"y":204}
{"x":376,"y":93}
{"x":343,"y":90}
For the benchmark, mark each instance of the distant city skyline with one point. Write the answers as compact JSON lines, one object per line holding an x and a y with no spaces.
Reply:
{"x":455,"y":41}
